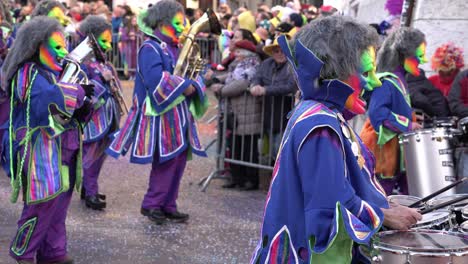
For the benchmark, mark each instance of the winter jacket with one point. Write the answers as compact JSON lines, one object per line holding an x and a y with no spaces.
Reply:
{"x":280,"y":86}
{"x":426,"y":97}
{"x":458,"y":95}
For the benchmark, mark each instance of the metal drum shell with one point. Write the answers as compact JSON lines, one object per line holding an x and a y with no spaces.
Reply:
{"x":455,"y":209}
{"x":428,"y":160}
{"x":464,"y":212}
{"x":396,"y":254}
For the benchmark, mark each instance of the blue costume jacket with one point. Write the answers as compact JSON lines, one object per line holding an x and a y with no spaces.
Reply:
{"x":105,"y":119}
{"x":389,"y":109}
{"x":38,"y":99}
{"x":161,"y":117}
{"x":323,"y":194}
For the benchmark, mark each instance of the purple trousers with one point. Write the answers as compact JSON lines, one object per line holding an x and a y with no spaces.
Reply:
{"x":399,"y":181}
{"x":164,"y":183}
{"x":93,"y":159}
{"x":41,"y":227}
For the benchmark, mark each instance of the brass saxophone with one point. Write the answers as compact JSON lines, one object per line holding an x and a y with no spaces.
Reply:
{"x":190,"y":64}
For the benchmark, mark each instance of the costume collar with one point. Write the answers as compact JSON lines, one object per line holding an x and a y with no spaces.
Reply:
{"x":307,"y":67}
{"x":160,"y":37}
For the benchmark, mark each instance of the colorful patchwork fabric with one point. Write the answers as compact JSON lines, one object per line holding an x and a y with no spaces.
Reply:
{"x":45,"y":179}
{"x":124,"y":136}
{"x":101,"y":122}
{"x":164,"y":122}
{"x":281,"y":249}
{"x":21,"y":242}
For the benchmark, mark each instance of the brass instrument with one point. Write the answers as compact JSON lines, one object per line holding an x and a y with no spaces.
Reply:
{"x":116,"y":90}
{"x":72,"y":72}
{"x":190,"y":63}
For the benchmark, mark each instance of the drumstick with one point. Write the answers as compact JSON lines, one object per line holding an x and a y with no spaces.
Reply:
{"x":432,"y":195}
{"x":442,"y":205}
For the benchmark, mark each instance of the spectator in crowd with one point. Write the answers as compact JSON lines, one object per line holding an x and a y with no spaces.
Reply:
{"x":447,"y":62}
{"x":246,"y":114}
{"x":274,"y":80}
{"x":129,"y":35}
{"x":224,"y":9}
{"x":327,"y":10}
{"x":311,"y":13}
{"x":426,"y":97}
{"x":225,"y":20}
{"x":458,"y":95}
{"x":117,"y":21}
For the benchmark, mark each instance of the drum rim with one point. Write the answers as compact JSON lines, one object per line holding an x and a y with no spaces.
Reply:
{"x":433,"y":222}
{"x":435,"y":131}
{"x":415,"y":251}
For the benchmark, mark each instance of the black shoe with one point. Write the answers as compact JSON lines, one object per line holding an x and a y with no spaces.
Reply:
{"x":177,"y":217}
{"x":155,"y":215}
{"x":99,"y":195}
{"x":230,"y":185}
{"x":94,"y":203}
{"x":249,"y":186}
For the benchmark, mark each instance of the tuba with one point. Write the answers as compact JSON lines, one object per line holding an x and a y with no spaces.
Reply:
{"x":190,"y":63}
{"x":72,"y":72}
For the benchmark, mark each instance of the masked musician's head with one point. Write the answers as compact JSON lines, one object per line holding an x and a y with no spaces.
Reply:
{"x":337,"y":48}
{"x":40,"y":40}
{"x":405,"y":47}
{"x":166,"y":17}
{"x":100,"y":29}
{"x":53,"y":9}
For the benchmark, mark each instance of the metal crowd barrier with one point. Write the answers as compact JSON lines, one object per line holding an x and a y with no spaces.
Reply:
{"x":255,"y":150}
{"x":208,"y":49}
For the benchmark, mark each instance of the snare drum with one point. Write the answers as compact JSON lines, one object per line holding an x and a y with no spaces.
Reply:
{"x":429,"y":160}
{"x":436,"y":220}
{"x":455,"y":209}
{"x":419,"y":247}
{"x":405,"y":200}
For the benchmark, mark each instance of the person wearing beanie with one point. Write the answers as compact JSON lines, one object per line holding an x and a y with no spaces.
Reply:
{"x":324,"y":199}
{"x":247,"y":113}
{"x":447,"y":61}
{"x":161,"y":99}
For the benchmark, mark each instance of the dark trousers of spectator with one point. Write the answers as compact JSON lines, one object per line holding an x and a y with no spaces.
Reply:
{"x":248,"y":152}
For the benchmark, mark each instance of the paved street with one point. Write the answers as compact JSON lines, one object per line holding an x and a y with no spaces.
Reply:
{"x":223,"y":226}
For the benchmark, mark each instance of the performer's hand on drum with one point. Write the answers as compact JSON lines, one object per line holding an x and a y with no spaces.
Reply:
{"x":400,"y":217}
{"x":415,"y":126}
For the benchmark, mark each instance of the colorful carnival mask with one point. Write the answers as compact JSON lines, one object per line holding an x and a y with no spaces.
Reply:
{"x":105,"y":40}
{"x":57,"y":13}
{"x":176,"y":27}
{"x":367,"y":80}
{"x":368,"y":69}
{"x":411,"y":63}
{"x":52,"y":53}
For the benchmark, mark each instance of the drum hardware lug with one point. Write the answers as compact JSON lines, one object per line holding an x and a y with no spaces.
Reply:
{"x":377,"y":259}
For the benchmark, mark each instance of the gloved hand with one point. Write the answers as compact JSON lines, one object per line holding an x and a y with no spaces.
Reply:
{"x":83,"y":112}
{"x":89,"y":89}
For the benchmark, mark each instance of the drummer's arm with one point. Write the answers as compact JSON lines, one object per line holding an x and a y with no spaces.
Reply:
{"x":400,"y":217}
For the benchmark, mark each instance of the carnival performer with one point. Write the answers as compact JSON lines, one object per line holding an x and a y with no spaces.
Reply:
{"x":323,"y":194}
{"x":53,"y":9}
{"x":44,"y":139}
{"x":390,"y":112}
{"x":160,"y":123}
{"x":106,"y":114}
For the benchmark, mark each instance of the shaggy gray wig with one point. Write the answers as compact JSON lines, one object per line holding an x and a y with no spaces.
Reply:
{"x":43,"y":8}
{"x":339,"y":42}
{"x":401,"y":44}
{"x":94,"y":25}
{"x":26,"y":45}
{"x":162,"y":13}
